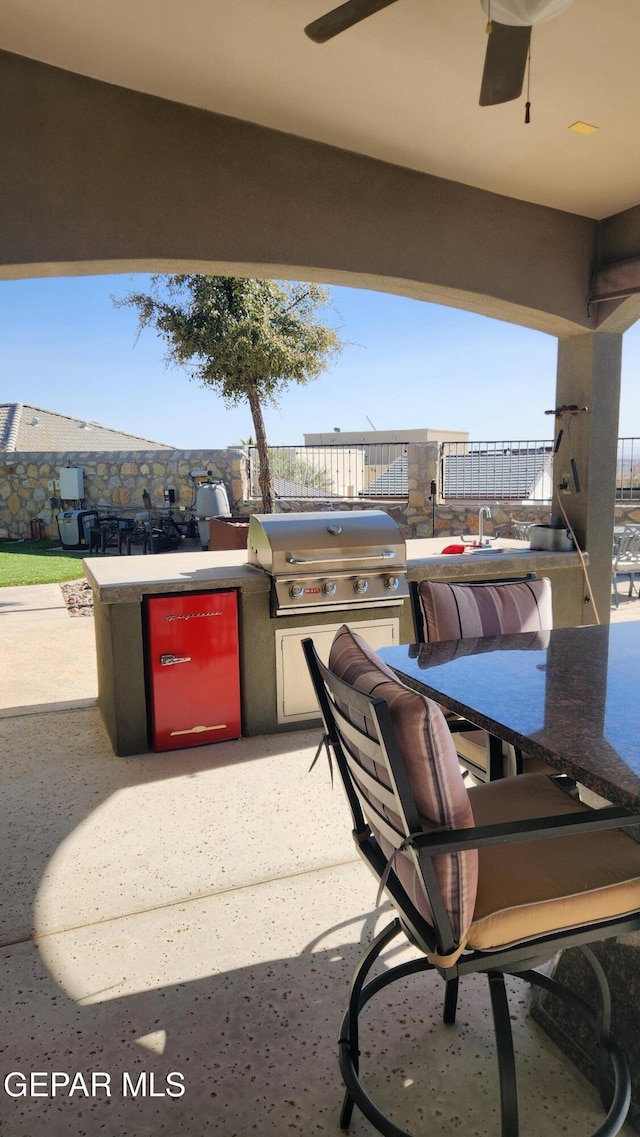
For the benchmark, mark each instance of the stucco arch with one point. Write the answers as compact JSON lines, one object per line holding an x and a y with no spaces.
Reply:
{"x":99,"y":179}
{"x":102,"y":179}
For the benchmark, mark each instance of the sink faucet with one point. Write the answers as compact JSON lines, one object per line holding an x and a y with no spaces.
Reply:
{"x":483,"y":512}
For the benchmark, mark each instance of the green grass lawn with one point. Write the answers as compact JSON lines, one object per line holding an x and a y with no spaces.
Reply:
{"x":38,"y":562}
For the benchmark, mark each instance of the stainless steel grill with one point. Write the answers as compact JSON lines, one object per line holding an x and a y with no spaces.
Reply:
{"x":330,"y":562}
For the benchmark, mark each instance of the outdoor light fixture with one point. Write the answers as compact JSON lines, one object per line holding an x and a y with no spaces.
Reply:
{"x":524,"y":13}
{"x":507,"y":61}
{"x":583,"y":127}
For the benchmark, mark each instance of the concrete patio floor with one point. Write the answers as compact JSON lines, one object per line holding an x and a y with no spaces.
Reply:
{"x":200,"y":913}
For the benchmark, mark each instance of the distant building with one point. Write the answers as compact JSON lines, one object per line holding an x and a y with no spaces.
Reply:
{"x":33,"y":429}
{"x":371,"y":462}
{"x":369,"y":437}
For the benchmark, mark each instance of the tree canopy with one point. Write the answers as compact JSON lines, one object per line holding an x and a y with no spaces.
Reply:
{"x":246,"y":338}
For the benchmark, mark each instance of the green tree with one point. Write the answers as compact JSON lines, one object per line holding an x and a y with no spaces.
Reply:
{"x":245,"y":338}
{"x":284,"y":464}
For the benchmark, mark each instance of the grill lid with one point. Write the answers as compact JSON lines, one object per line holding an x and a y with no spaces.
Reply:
{"x":325,"y":542}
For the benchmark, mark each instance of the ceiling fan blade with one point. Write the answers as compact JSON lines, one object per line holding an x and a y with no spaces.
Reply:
{"x":504,"y":64}
{"x":331,"y":24}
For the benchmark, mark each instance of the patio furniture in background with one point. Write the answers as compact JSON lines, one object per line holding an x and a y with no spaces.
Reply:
{"x":626,"y":558}
{"x":521,"y":529}
{"x":106,"y":532}
{"x":419,"y":830}
{"x":157,"y":533}
{"x":119,"y":533}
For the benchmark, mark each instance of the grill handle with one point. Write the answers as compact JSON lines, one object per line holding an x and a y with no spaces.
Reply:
{"x":388,"y":554}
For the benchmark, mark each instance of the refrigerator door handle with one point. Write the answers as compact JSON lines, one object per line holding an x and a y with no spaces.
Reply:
{"x":169,"y":660}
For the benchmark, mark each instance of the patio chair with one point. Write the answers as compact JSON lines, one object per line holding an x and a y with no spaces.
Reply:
{"x":461,"y":611}
{"x":626,"y":559}
{"x":116,"y":532}
{"x":521,"y":529}
{"x":103,"y":534}
{"x":492,"y":880}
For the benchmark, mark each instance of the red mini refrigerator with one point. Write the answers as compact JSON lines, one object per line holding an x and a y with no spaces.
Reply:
{"x":193,"y":668}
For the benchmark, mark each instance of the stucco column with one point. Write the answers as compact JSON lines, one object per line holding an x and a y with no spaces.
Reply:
{"x":423,"y":462}
{"x":589,"y":375}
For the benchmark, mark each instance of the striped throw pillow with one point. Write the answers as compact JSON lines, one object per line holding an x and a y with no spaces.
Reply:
{"x":432,"y":767}
{"x":459,"y":611}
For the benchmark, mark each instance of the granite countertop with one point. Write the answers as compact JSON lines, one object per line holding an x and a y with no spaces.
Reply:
{"x":567,"y":697}
{"x":502,"y":556}
{"x":120,"y":580}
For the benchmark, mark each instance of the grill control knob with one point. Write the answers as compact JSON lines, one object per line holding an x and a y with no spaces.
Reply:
{"x":391,"y":583}
{"x":361,"y":585}
{"x":296,"y":591}
{"x":330,"y":588}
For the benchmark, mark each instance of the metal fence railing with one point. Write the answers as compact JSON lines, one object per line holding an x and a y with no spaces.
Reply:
{"x":491,"y":471}
{"x":487,"y":471}
{"x":376,"y":469}
{"x":628,"y":470}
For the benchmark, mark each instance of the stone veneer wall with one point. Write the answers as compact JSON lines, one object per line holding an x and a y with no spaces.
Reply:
{"x":112,"y":481}
{"x":451,"y":520}
{"x":115,"y":481}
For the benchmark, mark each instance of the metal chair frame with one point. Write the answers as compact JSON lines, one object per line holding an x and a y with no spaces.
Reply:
{"x":106,"y":532}
{"x":110,"y":531}
{"x":344,"y":739}
{"x":522,"y":529}
{"x":626,"y":559}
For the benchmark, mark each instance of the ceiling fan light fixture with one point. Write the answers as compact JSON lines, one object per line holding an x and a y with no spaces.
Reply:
{"x":583,"y":127}
{"x":524,"y":13}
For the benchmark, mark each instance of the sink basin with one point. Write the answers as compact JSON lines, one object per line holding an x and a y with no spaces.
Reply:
{"x":488,"y":551}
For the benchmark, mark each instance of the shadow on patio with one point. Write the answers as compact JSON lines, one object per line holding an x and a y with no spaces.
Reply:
{"x":201,"y":912}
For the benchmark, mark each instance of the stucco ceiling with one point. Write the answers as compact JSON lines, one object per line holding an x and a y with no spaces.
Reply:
{"x":402,"y":86}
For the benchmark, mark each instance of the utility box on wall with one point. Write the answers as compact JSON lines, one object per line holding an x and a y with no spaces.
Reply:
{"x":71,"y":483}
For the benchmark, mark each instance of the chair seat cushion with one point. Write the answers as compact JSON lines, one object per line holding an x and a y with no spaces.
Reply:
{"x":527,"y":889}
{"x":432,"y":768}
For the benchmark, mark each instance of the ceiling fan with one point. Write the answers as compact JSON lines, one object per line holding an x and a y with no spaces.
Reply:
{"x":510,"y":24}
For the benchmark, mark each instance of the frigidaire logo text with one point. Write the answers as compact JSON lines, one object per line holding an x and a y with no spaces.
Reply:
{"x":193,"y":616}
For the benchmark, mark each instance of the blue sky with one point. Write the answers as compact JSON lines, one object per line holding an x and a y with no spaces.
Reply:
{"x":65,"y":347}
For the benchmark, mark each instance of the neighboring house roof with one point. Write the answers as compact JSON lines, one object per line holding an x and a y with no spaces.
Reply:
{"x":495,"y":473}
{"x":392,"y":482}
{"x":33,"y":429}
{"x":284,"y":487}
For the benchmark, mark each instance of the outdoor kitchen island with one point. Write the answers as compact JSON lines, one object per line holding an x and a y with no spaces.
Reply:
{"x":122,"y":587}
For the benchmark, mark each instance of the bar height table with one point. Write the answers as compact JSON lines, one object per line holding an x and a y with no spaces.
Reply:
{"x":572,"y":698}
